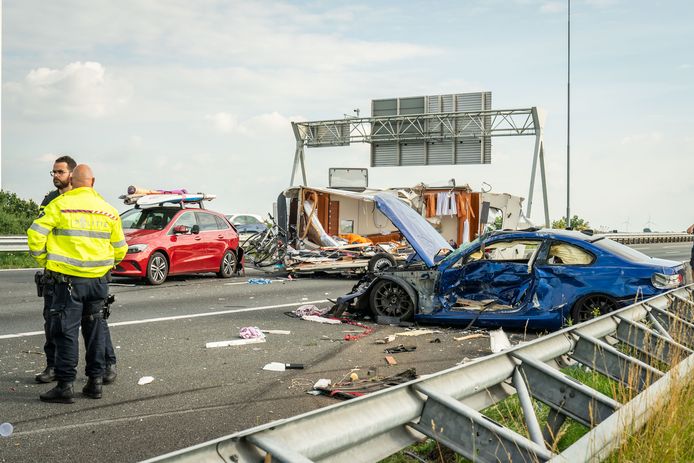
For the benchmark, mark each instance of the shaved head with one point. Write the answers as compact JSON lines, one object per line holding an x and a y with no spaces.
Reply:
{"x":82,"y":176}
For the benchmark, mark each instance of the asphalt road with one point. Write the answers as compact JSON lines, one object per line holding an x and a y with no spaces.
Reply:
{"x":197,"y":394}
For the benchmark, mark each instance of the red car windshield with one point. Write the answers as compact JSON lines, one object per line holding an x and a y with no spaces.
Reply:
{"x":148,"y":219}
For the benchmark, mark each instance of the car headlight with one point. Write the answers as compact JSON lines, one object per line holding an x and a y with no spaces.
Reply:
{"x":136,"y":248}
{"x":662,"y":281}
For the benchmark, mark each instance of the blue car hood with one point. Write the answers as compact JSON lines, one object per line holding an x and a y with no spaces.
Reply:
{"x":423,"y":238}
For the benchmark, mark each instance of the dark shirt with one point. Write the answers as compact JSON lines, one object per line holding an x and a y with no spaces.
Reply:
{"x":47,"y":199}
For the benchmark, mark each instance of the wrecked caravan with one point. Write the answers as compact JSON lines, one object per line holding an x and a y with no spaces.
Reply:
{"x":334,"y":230}
{"x":535,"y":279}
{"x":337,"y":230}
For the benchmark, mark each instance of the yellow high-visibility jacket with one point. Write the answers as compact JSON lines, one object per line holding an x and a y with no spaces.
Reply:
{"x":78,"y":234}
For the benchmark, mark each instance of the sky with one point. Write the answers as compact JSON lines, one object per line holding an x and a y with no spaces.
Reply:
{"x":200,"y":95}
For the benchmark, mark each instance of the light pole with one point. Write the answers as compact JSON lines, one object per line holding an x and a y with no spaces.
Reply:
{"x":568,"y":117}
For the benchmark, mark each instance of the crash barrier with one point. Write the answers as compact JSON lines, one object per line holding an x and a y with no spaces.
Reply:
{"x":19,"y":243}
{"x":14,"y":243}
{"x":644,"y":347}
{"x":647,"y":238}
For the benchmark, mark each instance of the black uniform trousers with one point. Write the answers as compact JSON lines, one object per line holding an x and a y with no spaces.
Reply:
{"x":49,"y":345}
{"x":80,"y":301}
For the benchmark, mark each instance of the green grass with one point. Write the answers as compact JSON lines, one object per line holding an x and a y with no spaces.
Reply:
{"x":509,"y":413}
{"x":16,"y":259}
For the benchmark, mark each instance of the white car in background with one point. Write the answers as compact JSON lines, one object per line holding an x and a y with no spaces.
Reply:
{"x":247,"y":224}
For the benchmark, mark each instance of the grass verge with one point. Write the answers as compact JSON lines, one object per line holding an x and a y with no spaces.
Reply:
{"x":16,"y":259}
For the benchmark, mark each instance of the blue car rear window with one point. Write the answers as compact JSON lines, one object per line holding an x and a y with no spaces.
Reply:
{"x":625,"y":252}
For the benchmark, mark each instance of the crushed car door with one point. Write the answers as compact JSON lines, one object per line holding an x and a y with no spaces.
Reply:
{"x":565,"y":272}
{"x":500,"y":273}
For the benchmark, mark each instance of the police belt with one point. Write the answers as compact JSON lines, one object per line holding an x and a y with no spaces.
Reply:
{"x":51,"y":276}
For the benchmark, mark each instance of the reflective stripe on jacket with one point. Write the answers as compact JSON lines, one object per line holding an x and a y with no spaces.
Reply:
{"x":79,"y":234}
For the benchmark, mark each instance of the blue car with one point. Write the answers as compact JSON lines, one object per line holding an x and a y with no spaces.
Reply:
{"x":532,"y":279}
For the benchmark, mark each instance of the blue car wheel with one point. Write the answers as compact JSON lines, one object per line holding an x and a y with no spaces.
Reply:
{"x":591,"y":306}
{"x":389,"y":299}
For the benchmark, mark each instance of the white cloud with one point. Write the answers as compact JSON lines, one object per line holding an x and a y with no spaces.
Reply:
{"x":80,"y":89}
{"x":553,"y":7}
{"x":642,"y":138}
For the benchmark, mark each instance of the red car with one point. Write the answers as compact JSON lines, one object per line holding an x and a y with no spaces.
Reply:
{"x":167,"y":240}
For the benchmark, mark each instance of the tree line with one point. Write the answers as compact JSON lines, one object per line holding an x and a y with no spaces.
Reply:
{"x":16,"y":214}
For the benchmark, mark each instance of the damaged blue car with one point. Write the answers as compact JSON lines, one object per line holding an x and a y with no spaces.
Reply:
{"x":532,"y":279}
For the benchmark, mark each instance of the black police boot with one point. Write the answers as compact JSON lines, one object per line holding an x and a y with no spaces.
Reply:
{"x":110,"y":374}
{"x":93,"y":388}
{"x":46,"y":376}
{"x":61,"y":394}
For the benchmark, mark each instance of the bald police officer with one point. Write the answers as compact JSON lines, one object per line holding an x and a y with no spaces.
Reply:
{"x":78,"y":239}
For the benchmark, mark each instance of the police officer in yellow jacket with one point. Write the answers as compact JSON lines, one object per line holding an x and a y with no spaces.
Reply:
{"x":78,"y":239}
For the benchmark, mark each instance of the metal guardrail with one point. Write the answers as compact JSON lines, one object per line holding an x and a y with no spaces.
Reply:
{"x":14,"y":243}
{"x":647,"y":238}
{"x":19,"y":243}
{"x":445,"y":406}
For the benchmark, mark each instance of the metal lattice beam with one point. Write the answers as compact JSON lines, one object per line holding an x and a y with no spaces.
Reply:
{"x":458,"y":125}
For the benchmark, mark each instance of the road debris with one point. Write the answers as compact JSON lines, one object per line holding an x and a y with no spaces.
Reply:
{"x":390,"y":360}
{"x":259,"y":281}
{"x":418,"y":332}
{"x":234,"y":342}
{"x":310,"y":309}
{"x":470,"y":336}
{"x":6,"y":429}
{"x":498,"y":340}
{"x":348,"y":389}
{"x":319,"y":319}
{"x":386,"y":340}
{"x":400,"y":348}
{"x":278,"y":366}
{"x":251,"y":332}
{"x":145,"y":380}
{"x":276,"y":331}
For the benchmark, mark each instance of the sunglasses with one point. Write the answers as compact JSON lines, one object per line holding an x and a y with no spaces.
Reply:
{"x":58,"y":172}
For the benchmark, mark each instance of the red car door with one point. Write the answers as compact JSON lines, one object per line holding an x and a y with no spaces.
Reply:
{"x":185,"y":248}
{"x":213,"y":238}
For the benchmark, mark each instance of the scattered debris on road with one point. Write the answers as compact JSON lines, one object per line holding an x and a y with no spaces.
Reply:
{"x":234,"y":342}
{"x":259,"y":281}
{"x":278,"y":366}
{"x":347,"y":389}
{"x":251,"y":332}
{"x":145,"y":380}
{"x":498,"y":340}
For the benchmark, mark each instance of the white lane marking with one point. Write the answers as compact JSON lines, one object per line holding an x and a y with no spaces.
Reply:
{"x":178,"y":317}
{"x":18,"y":269}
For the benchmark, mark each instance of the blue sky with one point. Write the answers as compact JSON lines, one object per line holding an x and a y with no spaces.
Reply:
{"x":200,"y":95}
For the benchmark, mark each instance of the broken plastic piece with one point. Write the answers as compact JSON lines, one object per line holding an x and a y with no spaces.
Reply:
{"x":498,"y":340}
{"x":276,"y":331}
{"x":145,"y":380}
{"x":6,"y":429}
{"x":322,"y":383}
{"x":234,"y":342}
{"x":259,"y":281}
{"x":418,"y":332}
